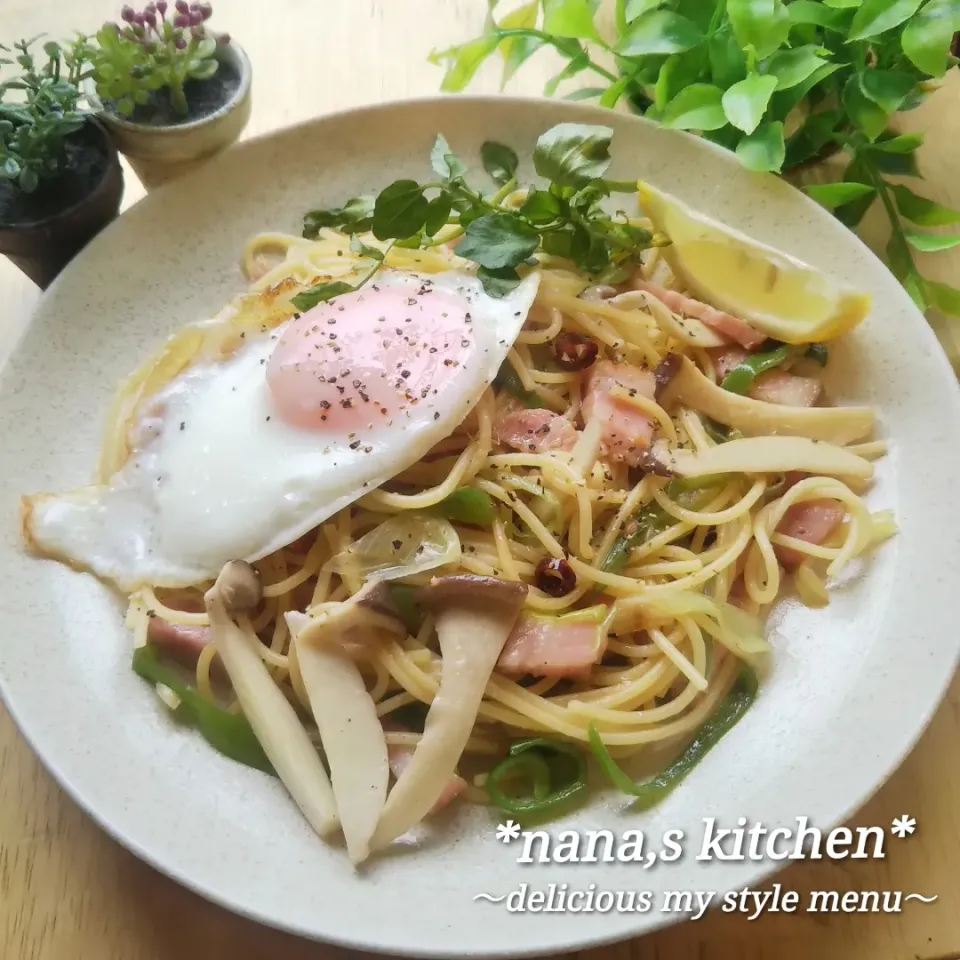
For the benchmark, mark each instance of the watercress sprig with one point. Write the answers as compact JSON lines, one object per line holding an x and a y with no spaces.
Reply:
{"x":564,"y":219}
{"x":783,"y":83}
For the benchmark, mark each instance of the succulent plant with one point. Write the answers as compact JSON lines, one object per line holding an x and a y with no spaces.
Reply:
{"x":160,"y":47}
{"x":35,"y":127}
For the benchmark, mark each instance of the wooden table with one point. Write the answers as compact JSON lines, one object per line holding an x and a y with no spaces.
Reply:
{"x":67,"y":892}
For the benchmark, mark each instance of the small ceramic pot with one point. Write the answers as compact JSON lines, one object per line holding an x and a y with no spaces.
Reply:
{"x":159,"y":153}
{"x":42,"y":248}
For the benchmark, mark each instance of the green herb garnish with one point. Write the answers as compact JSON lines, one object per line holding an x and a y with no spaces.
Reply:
{"x":783,"y":83}
{"x":565,"y":220}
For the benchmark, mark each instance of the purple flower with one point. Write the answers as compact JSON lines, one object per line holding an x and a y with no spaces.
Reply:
{"x":138,"y":19}
{"x":223,"y":39}
{"x":181,"y":43}
{"x":150,"y":8}
{"x":161,"y":7}
{"x":150,"y":19}
{"x":196,"y":18}
{"x":181,"y":20}
{"x":206,"y":11}
{"x":126,"y":13}
{"x":182,"y":6}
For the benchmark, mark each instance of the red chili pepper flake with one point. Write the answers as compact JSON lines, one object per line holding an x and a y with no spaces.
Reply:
{"x":574,"y":351}
{"x":555,"y":577}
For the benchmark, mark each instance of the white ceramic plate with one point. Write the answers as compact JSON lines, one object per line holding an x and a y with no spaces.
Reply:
{"x":852,"y":686}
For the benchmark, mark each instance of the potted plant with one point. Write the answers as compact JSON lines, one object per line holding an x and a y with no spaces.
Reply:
{"x":170,"y":91}
{"x":60,"y":179}
{"x":809,"y":89}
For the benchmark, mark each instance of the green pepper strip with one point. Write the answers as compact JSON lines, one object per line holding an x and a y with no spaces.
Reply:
{"x":650,"y":792}
{"x":719,"y":433}
{"x":412,"y":614}
{"x":229,"y":733}
{"x":508,"y":379}
{"x":526,"y":759}
{"x":468,"y":505}
{"x":740,"y":378}
{"x":817,"y":352}
{"x":692,"y":493}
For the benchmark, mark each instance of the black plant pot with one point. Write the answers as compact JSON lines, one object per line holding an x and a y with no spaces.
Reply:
{"x":41,"y":246}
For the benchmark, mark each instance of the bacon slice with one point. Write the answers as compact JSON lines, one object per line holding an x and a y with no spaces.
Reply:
{"x":812,"y":521}
{"x":627,"y":431}
{"x":400,"y":757}
{"x":787,"y":389}
{"x":535,"y":431}
{"x":179,"y":642}
{"x":564,"y":646}
{"x":726,"y":358}
{"x":724,"y":323}
{"x":775,"y":386}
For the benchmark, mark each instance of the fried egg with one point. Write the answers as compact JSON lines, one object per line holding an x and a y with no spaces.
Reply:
{"x":237,"y":458}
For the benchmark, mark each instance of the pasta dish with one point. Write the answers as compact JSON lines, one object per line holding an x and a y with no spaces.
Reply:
{"x":471,"y":486}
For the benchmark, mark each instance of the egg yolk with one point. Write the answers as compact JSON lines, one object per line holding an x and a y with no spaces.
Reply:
{"x":369,"y":358}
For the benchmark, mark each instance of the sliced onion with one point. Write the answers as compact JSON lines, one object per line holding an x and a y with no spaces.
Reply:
{"x":402,"y":546}
{"x":739,"y":631}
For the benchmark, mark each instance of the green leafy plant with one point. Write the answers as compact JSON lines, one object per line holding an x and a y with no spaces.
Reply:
{"x":565,"y":219}
{"x":152,"y":52}
{"x":34,"y":128}
{"x":783,"y":83}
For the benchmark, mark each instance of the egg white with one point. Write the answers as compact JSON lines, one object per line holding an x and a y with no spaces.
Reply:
{"x":226,"y":478}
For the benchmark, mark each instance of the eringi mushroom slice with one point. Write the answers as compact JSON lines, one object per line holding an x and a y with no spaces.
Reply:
{"x":346,"y":714}
{"x":767,"y":455}
{"x":836,"y":424}
{"x":474,"y":616}
{"x":273,"y":719}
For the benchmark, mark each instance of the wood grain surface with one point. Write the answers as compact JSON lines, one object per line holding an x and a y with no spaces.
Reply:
{"x":68,"y":892}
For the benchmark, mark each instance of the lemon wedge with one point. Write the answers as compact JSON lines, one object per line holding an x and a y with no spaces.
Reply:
{"x":777,"y":294}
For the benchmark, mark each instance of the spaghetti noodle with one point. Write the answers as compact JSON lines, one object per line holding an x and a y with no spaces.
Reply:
{"x":684,"y":604}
